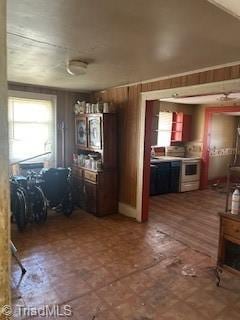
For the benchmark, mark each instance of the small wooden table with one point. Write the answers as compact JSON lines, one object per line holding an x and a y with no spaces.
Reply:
{"x":229,"y":245}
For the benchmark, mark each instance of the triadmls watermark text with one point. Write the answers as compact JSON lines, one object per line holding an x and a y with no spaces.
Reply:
{"x":46,"y":311}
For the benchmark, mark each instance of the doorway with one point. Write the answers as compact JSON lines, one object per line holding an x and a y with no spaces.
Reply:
{"x":208,"y":148}
{"x":184,"y":215}
{"x":148,"y":101}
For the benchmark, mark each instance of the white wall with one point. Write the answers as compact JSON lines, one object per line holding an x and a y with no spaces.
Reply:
{"x":222,"y":141}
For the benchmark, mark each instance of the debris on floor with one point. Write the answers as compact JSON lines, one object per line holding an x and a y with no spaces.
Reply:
{"x":188,"y":271}
{"x":89,"y":262}
{"x":98,"y":309}
{"x":174,"y":261}
{"x":160,"y":234}
{"x":219,"y":187}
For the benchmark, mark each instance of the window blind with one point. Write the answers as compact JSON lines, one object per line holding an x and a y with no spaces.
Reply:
{"x":31,"y":128}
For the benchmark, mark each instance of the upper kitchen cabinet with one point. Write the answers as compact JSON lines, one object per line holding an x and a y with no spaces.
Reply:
{"x":181,"y":127}
{"x":187,"y":128}
{"x":170,"y":127}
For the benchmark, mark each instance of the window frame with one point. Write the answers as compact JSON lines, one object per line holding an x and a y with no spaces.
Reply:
{"x":41,"y":96}
{"x":159,"y":130}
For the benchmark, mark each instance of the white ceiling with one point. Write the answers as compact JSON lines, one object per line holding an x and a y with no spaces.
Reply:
{"x":231,"y":6}
{"x":212,"y":99}
{"x":124,"y":41}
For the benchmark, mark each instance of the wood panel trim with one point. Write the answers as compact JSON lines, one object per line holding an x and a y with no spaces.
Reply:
{"x":195,"y":78}
{"x":4,"y":175}
{"x":126,"y":100}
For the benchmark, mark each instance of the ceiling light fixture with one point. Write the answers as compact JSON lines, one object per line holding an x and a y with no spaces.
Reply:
{"x":76,"y":67}
{"x":226,"y":97}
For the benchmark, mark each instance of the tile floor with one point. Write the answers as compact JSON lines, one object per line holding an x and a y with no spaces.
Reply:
{"x":114,"y":268}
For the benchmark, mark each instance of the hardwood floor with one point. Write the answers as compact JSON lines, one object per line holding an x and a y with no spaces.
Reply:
{"x":190,"y":217}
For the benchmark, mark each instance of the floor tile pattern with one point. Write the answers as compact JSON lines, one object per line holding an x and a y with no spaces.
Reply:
{"x":114,"y":268}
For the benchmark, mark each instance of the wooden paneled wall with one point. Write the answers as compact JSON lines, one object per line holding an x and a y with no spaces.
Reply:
{"x":65,"y":102}
{"x":4,"y":186}
{"x":214,"y":75}
{"x":127,"y":101}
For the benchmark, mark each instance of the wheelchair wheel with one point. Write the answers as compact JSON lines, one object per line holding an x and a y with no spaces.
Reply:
{"x":67,"y":205}
{"x":20,"y":209}
{"x":39,"y":205}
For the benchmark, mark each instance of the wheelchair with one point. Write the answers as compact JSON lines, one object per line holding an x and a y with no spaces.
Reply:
{"x":28,"y":203}
{"x":57,"y":189}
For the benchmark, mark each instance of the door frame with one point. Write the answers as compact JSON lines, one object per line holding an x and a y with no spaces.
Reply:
{"x":147,"y":99}
{"x":209,"y":112}
{"x":147,"y":157}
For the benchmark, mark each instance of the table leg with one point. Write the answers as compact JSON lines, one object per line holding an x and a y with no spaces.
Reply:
{"x":228,"y":190}
{"x":217,"y":273}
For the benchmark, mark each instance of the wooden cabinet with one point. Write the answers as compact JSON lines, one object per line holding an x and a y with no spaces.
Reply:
{"x":229,"y":244}
{"x":78,"y":191}
{"x":187,"y":128}
{"x":96,"y":190}
{"x":95,"y":132}
{"x":81,"y":132}
{"x":181,"y":127}
{"x":91,"y":197}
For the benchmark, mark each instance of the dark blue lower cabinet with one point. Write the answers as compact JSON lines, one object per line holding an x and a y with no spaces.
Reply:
{"x":153,"y":180}
{"x":164,"y":177}
{"x":175,"y":176}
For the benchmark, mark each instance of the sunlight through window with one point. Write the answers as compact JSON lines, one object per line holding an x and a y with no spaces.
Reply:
{"x":31,"y":128}
{"x":165,"y":129}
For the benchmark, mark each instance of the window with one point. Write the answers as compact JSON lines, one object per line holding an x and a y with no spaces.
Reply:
{"x":164,"y":129}
{"x":31,"y":126}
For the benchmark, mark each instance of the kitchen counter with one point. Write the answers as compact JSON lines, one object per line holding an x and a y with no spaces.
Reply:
{"x":169,"y":159}
{"x":164,"y":159}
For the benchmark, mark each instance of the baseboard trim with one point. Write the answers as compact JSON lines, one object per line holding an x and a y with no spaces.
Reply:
{"x":217,"y":180}
{"x":127,"y":210}
{"x":233,"y":179}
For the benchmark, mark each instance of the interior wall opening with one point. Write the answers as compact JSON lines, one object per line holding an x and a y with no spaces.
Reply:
{"x":177,"y":164}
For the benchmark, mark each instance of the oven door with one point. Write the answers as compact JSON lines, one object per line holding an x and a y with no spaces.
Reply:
{"x":190,"y":170}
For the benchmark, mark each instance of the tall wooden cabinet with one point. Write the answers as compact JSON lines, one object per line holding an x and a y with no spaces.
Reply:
{"x":229,"y":244}
{"x":94,"y":171}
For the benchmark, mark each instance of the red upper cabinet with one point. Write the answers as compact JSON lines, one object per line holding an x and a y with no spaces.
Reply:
{"x":177,"y":126}
{"x":187,"y":128}
{"x":181,"y":127}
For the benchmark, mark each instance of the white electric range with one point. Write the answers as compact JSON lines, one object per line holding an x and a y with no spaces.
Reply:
{"x":190,"y":174}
